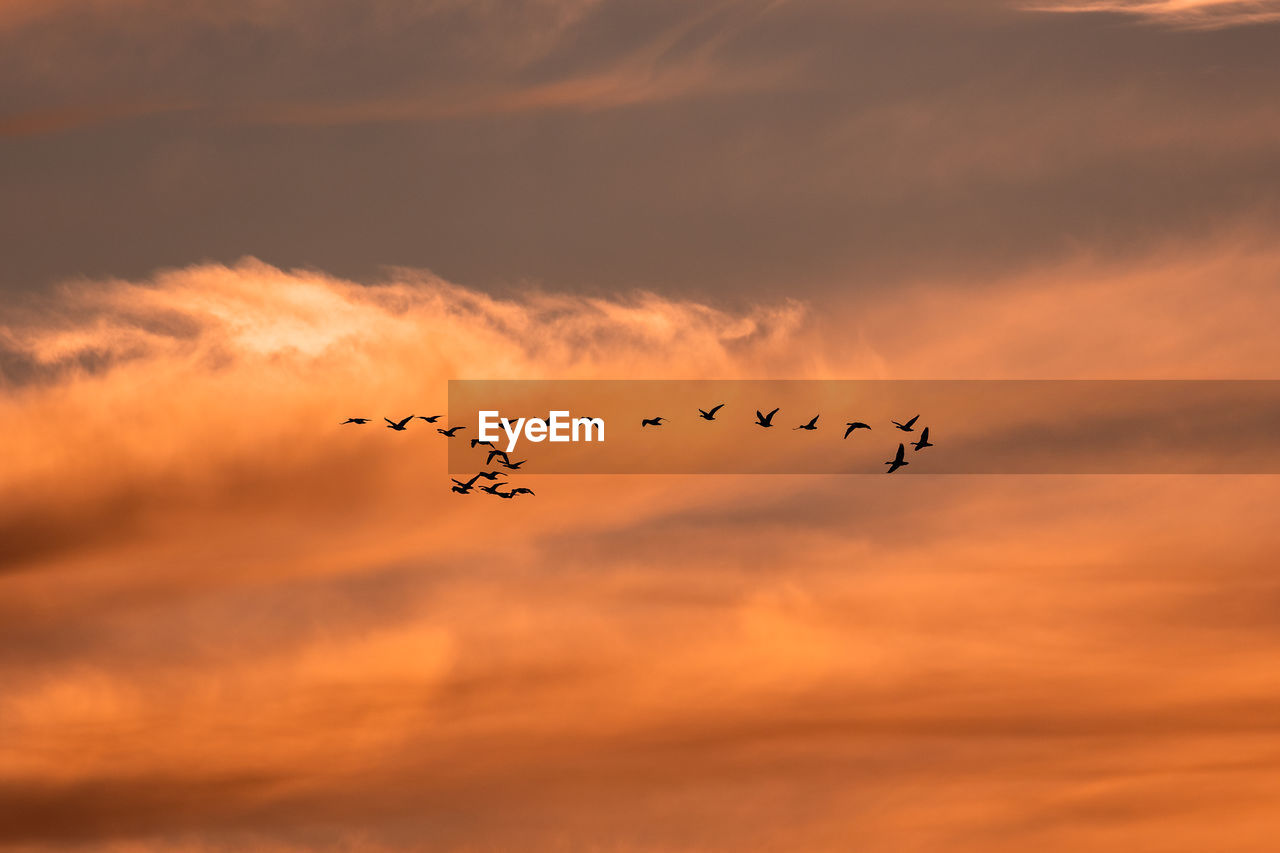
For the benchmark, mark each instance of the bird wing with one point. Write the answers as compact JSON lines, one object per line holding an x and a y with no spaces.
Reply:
{"x":388,"y":420}
{"x":912,"y":422}
{"x":716,"y":409}
{"x":924,"y":436}
{"x":849,"y":430}
{"x":405,"y":421}
{"x":902,"y":450}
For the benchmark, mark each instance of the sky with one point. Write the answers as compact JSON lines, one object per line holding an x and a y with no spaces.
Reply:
{"x":228,"y":623}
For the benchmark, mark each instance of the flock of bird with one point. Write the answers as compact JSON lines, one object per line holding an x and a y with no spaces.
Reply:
{"x":762,"y":420}
{"x":464,"y":487}
{"x":766,"y":421}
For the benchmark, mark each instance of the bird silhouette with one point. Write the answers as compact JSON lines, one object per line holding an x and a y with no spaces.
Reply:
{"x":450,"y":431}
{"x":491,"y":475}
{"x":514,"y":466}
{"x":852,"y":425}
{"x":644,"y":422}
{"x":711,"y":415}
{"x":493,"y":489}
{"x":522,"y":491}
{"x":765,"y":420}
{"x":462,"y":488}
{"x":924,"y":440}
{"x":356,"y":421}
{"x":476,"y":441}
{"x":507,"y":495}
{"x":398,"y":426}
{"x":431,"y":419}
{"x":898,"y":461}
{"x":907,"y":427}
{"x":493,"y":453}
{"x":813,"y":424}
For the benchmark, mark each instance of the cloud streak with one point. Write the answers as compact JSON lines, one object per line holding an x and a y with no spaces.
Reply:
{"x":1183,"y":14}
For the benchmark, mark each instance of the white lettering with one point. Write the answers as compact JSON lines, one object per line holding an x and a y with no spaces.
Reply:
{"x":559,"y":426}
{"x":587,"y":425}
{"x":513,"y":432}
{"x":487,"y":423}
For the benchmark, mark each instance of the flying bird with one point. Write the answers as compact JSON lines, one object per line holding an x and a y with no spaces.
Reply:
{"x":852,"y":425}
{"x":711,"y":415}
{"x":431,"y":419}
{"x":924,"y":440}
{"x":507,"y":463}
{"x":813,"y":424}
{"x":521,"y":491}
{"x":907,"y":427}
{"x":898,"y":461}
{"x":493,"y":490}
{"x":355,"y":421}
{"x":462,"y":488}
{"x":765,"y":420}
{"x":450,"y":431}
{"x":398,"y":426}
{"x":493,"y":453}
{"x":491,"y":475}
{"x":644,"y":422}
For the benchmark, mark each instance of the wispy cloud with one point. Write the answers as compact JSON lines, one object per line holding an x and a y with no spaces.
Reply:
{"x":1186,"y":14}
{"x":526,"y":58}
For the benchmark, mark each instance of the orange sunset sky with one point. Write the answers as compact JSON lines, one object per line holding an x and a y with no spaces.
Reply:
{"x":228,"y":624}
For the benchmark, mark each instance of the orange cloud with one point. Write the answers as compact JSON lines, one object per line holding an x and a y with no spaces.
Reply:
{"x":228,"y":623}
{"x":1188,"y":14}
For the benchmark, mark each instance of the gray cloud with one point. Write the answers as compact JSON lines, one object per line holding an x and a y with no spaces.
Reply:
{"x":605,"y":146}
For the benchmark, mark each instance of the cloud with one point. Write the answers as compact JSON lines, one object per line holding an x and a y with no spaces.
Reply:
{"x":525,"y":60}
{"x":235,"y":624}
{"x":1185,"y":14}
